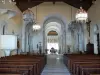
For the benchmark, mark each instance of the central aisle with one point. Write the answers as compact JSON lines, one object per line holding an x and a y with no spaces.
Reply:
{"x":55,"y":66}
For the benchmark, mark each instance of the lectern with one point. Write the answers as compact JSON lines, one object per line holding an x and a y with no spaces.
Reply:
{"x":90,"y":48}
{"x":8,"y":43}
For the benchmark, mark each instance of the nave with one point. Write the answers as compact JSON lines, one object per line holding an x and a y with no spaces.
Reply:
{"x":55,"y":66}
{"x":32,"y":29}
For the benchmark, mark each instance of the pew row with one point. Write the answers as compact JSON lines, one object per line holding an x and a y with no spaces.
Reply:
{"x":81,"y":64}
{"x":22,"y":64}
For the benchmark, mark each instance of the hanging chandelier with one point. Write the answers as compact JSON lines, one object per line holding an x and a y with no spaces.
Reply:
{"x":10,"y":1}
{"x":36,"y":26}
{"x":28,"y":16}
{"x":81,"y":15}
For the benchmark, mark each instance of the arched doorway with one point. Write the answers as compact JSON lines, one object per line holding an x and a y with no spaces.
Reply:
{"x":96,"y":39}
{"x":77,"y":34}
{"x":55,"y":23}
{"x":52,"y":42}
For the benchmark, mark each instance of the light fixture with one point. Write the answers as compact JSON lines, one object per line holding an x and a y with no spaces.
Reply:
{"x":36,"y":26}
{"x":28,"y":15}
{"x":81,"y":15}
{"x":10,"y":1}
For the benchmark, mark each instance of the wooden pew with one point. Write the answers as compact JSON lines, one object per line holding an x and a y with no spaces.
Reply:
{"x":28,"y":67}
{"x":22,"y":58}
{"x":74,"y":61}
{"x":87,"y":71}
{"x":37,"y":68}
{"x":10,"y":74}
{"x":34,"y":64}
{"x":14,"y":71}
{"x":78,"y":65}
{"x":79,"y":71}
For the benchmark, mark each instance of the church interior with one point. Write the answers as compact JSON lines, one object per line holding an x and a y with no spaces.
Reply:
{"x":49,"y":37}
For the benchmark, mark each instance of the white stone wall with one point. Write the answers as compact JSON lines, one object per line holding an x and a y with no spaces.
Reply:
{"x":94,"y":16}
{"x":13,"y":26}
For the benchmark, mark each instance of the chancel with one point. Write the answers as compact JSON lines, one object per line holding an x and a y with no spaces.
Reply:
{"x":50,"y":37}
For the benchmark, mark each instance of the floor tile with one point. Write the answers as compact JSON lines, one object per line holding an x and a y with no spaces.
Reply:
{"x":55,"y":66}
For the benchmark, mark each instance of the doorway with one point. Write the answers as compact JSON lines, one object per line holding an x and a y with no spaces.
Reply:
{"x":52,"y":42}
{"x":96,"y":40}
{"x":56,"y":24}
{"x":98,"y":43}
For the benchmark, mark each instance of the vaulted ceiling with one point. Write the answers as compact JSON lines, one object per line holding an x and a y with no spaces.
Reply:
{"x":25,"y":4}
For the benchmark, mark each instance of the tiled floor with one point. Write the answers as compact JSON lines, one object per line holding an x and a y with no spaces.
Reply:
{"x":55,"y":66}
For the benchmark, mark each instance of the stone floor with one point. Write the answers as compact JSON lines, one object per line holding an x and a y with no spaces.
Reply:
{"x":55,"y":66}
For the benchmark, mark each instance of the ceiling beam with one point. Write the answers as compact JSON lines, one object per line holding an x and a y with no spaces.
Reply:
{"x":25,"y":4}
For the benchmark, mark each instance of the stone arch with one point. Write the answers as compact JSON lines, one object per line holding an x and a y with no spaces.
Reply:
{"x":77,"y":33}
{"x":60,"y":20}
{"x":3,"y":31}
{"x":3,"y":27}
{"x":26,"y":25}
{"x":96,"y":35}
{"x":96,"y":28}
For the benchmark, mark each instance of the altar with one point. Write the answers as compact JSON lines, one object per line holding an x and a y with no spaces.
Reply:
{"x":52,"y":50}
